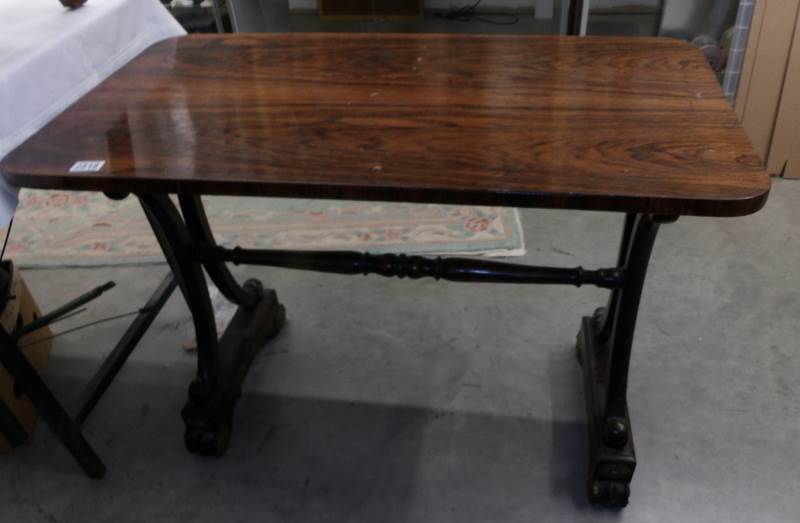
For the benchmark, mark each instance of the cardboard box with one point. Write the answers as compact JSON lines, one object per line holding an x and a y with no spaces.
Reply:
{"x":20,"y":310}
{"x":768,"y":101}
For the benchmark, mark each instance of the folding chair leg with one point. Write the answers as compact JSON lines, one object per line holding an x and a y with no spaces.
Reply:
{"x":66,"y":429}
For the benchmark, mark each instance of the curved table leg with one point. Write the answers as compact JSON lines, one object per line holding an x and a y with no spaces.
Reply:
{"x":605,"y":319}
{"x":604,"y":349}
{"x":222,"y":363}
{"x":197,"y":223}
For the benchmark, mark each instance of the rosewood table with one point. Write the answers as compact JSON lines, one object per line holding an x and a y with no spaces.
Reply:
{"x":631,"y":126}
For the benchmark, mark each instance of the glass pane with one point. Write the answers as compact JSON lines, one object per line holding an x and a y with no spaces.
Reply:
{"x":426,"y":16}
{"x":717,"y":27}
{"x":624,"y":17}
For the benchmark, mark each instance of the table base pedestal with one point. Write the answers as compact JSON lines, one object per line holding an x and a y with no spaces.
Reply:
{"x":610,"y":469}
{"x":209,"y":420}
{"x":603,"y":346}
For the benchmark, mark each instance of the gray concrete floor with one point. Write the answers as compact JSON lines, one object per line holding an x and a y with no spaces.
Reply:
{"x":395,"y":400}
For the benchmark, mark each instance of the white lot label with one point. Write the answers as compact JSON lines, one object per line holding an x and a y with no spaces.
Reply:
{"x":87,"y":166}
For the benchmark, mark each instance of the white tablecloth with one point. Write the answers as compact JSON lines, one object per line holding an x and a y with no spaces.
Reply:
{"x":50,"y":56}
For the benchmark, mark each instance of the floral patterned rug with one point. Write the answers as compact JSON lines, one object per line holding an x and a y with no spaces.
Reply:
{"x":57,"y":228}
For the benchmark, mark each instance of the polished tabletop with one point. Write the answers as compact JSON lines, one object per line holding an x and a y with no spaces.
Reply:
{"x":618,"y":124}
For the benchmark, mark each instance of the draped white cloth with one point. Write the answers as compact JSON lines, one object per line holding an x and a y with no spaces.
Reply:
{"x":50,"y":56}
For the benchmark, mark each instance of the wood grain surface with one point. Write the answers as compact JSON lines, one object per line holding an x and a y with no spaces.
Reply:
{"x":614,"y":124}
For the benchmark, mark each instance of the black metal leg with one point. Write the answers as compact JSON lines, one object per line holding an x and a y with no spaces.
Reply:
{"x":114,"y":361}
{"x":604,"y":349}
{"x":222,"y":363}
{"x":65,"y":428}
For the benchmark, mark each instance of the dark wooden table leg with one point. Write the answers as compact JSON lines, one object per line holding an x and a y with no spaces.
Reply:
{"x":197,"y":223}
{"x":222,"y":363}
{"x":604,"y":349}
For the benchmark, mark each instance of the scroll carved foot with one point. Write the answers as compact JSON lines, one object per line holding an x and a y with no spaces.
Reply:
{"x":612,"y":459}
{"x":611,"y":494}
{"x":209,"y":419}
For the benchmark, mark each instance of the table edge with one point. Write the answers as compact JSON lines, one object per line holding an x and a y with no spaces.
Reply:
{"x":678,"y":206}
